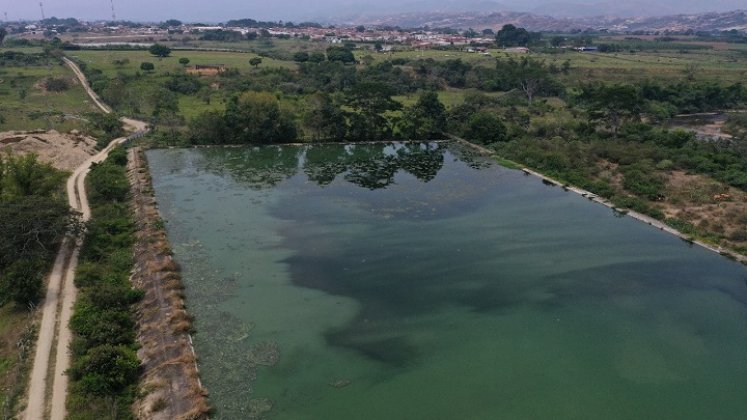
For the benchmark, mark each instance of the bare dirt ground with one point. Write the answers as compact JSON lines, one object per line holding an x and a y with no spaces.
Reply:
{"x":65,"y":151}
{"x":709,"y":205}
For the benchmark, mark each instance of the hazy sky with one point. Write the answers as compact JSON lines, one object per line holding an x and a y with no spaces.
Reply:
{"x":222,"y":10}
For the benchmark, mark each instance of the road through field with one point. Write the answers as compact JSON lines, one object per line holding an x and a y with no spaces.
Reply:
{"x":61,"y":292}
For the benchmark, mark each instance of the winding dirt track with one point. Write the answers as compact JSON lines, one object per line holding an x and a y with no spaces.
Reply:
{"x":61,"y":292}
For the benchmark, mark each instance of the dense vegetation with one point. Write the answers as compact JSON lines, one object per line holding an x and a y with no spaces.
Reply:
{"x":34,"y":217}
{"x":105,"y":367}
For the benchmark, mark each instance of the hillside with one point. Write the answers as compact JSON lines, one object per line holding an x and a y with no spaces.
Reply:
{"x":536,"y":22}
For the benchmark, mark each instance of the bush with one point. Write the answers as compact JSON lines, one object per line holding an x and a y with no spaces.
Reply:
{"x":184,"y":83}
{"x":159,"y":50}
{"x":23,"y":282}
{"x":108,"y":182}
{"x":105,"y":370}
{"x":485,"y":128}
{"x":643,"y":181}
{"x":56,"y":84}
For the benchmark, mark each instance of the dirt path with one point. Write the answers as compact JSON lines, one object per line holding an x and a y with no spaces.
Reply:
{"x":61,"y":292}
{"x":74,"y":67}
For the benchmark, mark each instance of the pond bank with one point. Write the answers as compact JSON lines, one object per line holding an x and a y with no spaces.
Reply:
{"x":170,"y":385}
{"x":601,"y":200}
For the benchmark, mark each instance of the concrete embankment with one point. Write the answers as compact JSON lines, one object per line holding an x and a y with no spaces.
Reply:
{"x":170,"y":386}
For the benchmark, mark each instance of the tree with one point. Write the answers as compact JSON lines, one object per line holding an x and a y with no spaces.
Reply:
{"x":614,"y":105}
{"x":208,"y":127}
{"x":426,"y":119}
{"x":255,"y":61}
{"x":341,"y":54}
{"x":106,"y":370}
{"x":324,"y":120}
{"x":3,"y":34}
{"x":557,"y":41}
{"x":485,"y":128}
{"x":691,"y":71}
{"x":378,"y":46}
{"x":31,"y":226}
{"x":184,"y":83}
{"x":470,"y":33}
{"x":256,"y":117}
{"x":56,"y":84}
{"x":360,"y":28}
{"x":23,"y":281}
{"x":317,"y":57}
{"x":511,"y":36}
{"x":184,"y":61}
{"x":301,"y":57}
{"x":159,"y":50}
{"x":370,"y":101}
{"x":109,"y":124}
{"x":529,"y":75}
{"x":163,"y":100}
{"x":146,"y":66}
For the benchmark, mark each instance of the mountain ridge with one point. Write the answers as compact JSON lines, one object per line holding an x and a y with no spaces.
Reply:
{"x":709,"y":21}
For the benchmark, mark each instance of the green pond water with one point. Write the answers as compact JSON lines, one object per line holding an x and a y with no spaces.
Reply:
{"x":417,"y":281}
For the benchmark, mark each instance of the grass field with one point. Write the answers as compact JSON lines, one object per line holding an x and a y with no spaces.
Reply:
{"x":105,"y":60}
{"x":26,"y":105}
{"x":449,"y":98}
{"x":15,"y":325}
{"x":725,"y":64}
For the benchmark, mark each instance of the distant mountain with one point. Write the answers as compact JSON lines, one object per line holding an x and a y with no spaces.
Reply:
{"x":545,"y":21}
{"x":634,"y":8}
{"x":348,"y":10}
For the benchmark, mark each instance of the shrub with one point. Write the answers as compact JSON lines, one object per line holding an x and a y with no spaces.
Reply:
{"x":109,"y":183}
{"x":56,"y":84}
{"x":641,"y":181}
{"x":184,"y":83}
{"x":23,"y":282}
{"x":105,"y":370}
{"x":484,"y":127}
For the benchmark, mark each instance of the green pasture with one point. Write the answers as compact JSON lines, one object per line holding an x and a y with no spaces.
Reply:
{"x":26,"y":105}
{"x":107,"y":61}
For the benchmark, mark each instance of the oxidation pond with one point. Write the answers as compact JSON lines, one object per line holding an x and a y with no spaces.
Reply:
{"x":417,"y":281}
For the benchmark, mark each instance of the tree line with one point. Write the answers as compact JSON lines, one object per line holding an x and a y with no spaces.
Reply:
{"x":34,"y":217}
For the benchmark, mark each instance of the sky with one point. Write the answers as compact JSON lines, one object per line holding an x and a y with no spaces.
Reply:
{"x":297,"y":10}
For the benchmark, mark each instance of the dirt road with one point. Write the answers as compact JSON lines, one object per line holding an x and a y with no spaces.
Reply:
{"x":61,"y":292}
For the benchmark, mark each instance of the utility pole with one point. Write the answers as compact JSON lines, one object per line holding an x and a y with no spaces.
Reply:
{"x":114,"y":16}
{"x":41,"y":6}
